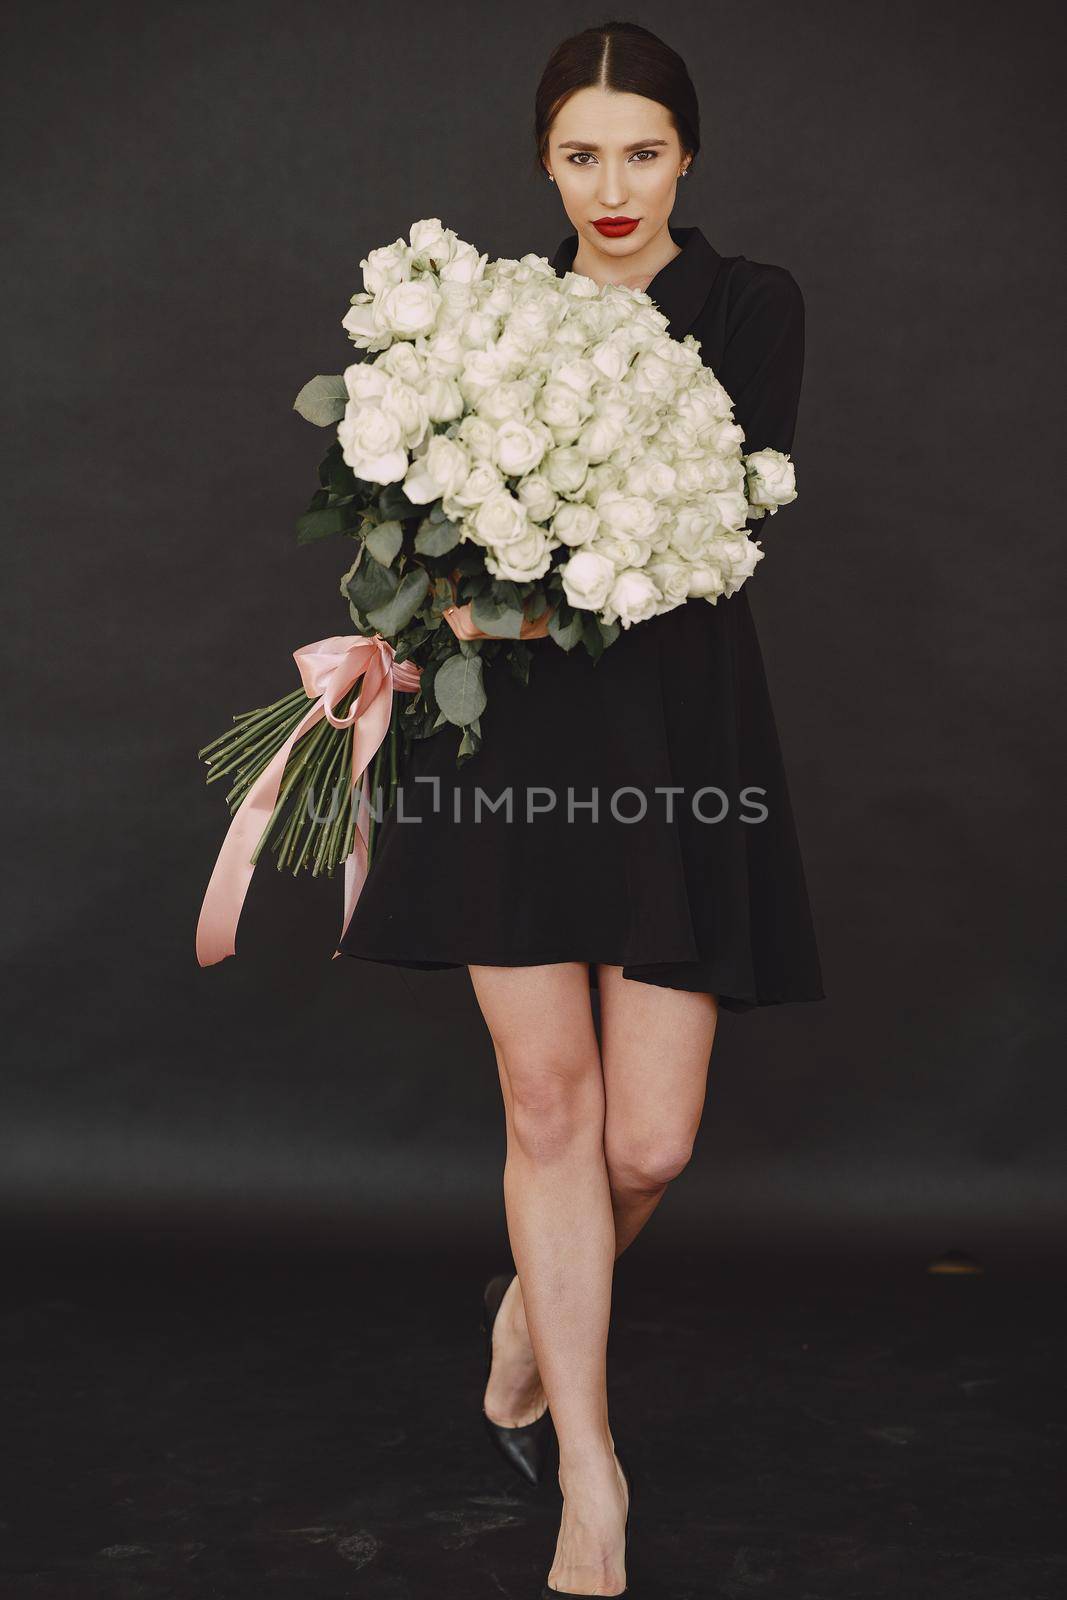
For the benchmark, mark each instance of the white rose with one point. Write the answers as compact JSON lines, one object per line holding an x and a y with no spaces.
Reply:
{"x":622,"y":551}
{"x":372,"y":443}
{"x":362,"y":326}
{"x":565,"y":468}
{"x":650,"y":479}
{"x":365,"y":381}
{"x":587,"y":580}
{"x":633,"y":598}
{"x":691,"y":533}
{"x":409,"y":408}
{"x":499,"y":520}
{"x":481,"y":483}
{"x":678,"y":436}
{"x":599,"y":480}
{"x":466,"y":265}
{"x":691,"y":477}
{"x":441,"y":352}
{"x":771,"y":479}
{"x":530,"y":322}
{"x":498,"y":296}
{"x":562,"y":409}
{"x":611,"y":360}
{"x":478,"y":435}
{"x":538,"y":496}
{"x":739,"y":557}
{"x":703,"y":405}
{"x":402,"y":361}
{"x":444,"y":403}
{"x":706,"y":581}
{"x":603,"y":431}
{"x":723,"y":474}
{"x":518,"y":449}
{"x":671,"y":577}
{"x":522,"y":560}
{"x":482,"y":371}
{"x":409,"y":309}
{"x":441,"y":469}
{"x":386,"y":267}
{"x":574,"y":523}
{"x":654,"y":376}
{"x":580,"y":375}
{"x":627,"y":515}
{"x":733,"y":507}
{"x":725,"y":437}
{"x":507,"y":400}
{"x":431,"y":244}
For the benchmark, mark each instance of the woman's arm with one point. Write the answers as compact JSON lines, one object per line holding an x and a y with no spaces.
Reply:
{"x":763,"y":360}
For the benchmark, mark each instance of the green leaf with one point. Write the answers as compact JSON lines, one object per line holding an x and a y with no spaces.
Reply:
{"x":322,"y":523}
{"x":436,"y":537}
{"x":393,"y":502}
{"x":322,"y":400}
{"x":566,"y":634}
{"x":384,"y":542}
{"x":459,"y":690}
{"x":493,"y":616}
{"x":397,"y":612}
{"x":371,"y":584}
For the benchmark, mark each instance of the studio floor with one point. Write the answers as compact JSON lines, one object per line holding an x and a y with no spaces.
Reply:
{"x":304,"y":1424}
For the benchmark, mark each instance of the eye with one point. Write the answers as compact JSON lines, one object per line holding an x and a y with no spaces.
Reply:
{"x":576,"y":160}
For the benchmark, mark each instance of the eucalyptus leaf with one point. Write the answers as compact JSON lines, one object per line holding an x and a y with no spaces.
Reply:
{"x":436,"y":537}
{"x":566,"y":634}
{"x":397,"y":612}
{"x":322,"y":400}
{"x":494,"y":617}
{"x":322,"y":523}
{"x":371,"y":585}
{"x":384,"y":542}
{"x":393,"y":502}
{"x":459,"y":690}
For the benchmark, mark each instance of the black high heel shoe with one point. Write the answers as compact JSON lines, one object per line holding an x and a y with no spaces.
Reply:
{"x":528,"y":1446}
{"x":548,"y":1593}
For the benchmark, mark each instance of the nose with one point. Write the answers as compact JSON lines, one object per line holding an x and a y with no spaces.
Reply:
{"x":612,"y":189}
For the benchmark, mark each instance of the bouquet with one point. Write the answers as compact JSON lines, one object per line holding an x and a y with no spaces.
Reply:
{"x":516,"y":456}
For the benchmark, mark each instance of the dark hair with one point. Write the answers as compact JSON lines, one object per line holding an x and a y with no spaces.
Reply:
{"x":627,"y":58}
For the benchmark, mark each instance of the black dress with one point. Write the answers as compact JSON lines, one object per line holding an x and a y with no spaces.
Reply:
{"x":698,"y":890}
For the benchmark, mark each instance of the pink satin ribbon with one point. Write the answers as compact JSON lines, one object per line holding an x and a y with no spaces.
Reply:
{"x":328,"y":669}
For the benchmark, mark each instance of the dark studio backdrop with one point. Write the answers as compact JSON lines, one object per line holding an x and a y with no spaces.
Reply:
{"x":189,"y":191}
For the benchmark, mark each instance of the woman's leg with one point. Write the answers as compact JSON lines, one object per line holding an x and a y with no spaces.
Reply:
{"x":557,"y":1199}
{"x":656,"y":1045}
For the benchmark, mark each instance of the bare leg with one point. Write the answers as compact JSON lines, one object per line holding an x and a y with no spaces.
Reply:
{"x":557,"y":1197}
{"x":651,"y":1120}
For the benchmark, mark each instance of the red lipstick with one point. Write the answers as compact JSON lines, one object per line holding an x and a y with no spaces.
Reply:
{"x":615,"y":227}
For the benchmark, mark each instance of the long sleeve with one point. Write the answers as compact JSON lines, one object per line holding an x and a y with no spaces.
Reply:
{"x":763,"y":359}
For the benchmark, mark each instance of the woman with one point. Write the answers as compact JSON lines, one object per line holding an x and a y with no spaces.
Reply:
{"x":671,"y":911}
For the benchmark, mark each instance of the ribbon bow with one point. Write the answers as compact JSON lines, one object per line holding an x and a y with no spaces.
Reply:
{"x":328,"y":669}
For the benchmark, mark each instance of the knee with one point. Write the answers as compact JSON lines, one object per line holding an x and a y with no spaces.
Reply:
{"x":646,"y":1162}
{"x":554,"y":1105}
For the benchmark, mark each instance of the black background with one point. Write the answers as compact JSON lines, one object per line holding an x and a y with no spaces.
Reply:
{"x":190,"y":190}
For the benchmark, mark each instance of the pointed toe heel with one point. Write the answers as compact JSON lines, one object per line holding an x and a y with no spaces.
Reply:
{"x":526,"y":1448}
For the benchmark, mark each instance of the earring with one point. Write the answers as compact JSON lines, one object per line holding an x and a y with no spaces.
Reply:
{"x":551,"y":179}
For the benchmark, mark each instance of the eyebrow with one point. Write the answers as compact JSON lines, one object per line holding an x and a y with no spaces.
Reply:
{"x":580,"y":144}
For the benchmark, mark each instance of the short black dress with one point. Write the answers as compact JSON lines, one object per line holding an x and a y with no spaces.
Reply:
{"x":632,"y":810}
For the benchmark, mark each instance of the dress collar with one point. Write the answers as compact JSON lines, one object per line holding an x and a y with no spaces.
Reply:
{"x":680,"y":288}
